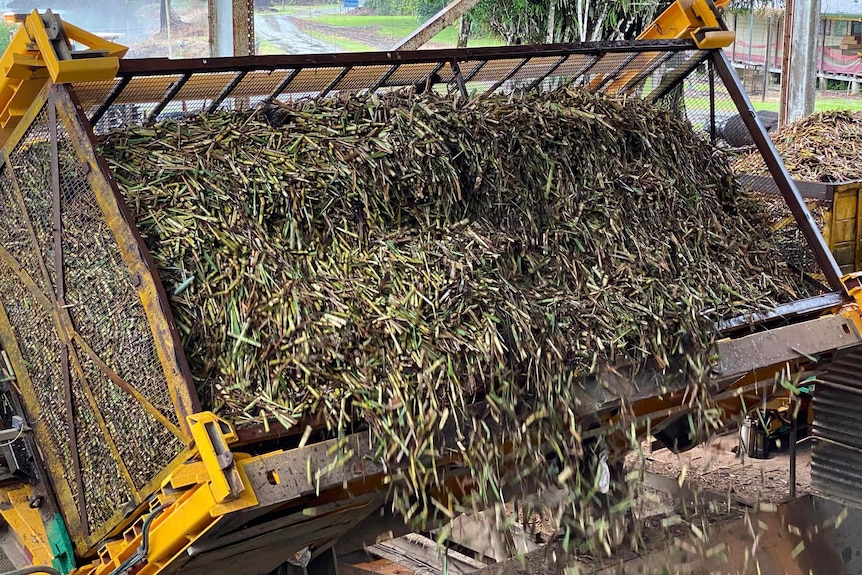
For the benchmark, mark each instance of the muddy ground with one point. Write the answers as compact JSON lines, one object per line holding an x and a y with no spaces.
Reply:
{"x":710,"y":510}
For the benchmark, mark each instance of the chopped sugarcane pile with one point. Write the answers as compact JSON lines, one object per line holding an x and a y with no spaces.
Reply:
{"x":824,"y":147}
{"x":391,"y":261}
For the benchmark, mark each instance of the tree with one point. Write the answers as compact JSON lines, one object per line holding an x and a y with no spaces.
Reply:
{"x":534,"y":21}
{"x":165,"y":9}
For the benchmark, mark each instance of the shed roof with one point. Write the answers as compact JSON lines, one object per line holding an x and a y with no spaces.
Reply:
{"x":841,"y":8}
{"x":828,"y":8}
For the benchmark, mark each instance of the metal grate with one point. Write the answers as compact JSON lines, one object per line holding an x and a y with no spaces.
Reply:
{"x":106,"y":396}
{"x":107,"y":312}
{"x":158,"y":88}
{"x":836,"y":456}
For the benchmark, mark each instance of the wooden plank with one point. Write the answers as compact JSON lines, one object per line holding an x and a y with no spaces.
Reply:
{"x":374,"y":529}
{"x":306,"y":514}
{"x":476,"y":533}
{"x":422,"y":556}
{"x":251,"y":555}
{"x":378,"y":567}
{"x":813,"y":337}
{"x":479,"y":533}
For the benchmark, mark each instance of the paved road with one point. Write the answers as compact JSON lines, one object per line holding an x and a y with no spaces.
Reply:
{"x":279,"y":30}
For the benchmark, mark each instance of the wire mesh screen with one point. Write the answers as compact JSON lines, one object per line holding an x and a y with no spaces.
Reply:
{"x":155,"y":89}
{"x":674,"y":74}
{"x":76,"y":328}
{"x":701,"y":97}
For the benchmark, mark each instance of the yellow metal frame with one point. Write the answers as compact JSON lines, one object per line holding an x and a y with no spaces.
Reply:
{"x":39,"y":52}
{"x":695,"y":19}
{"x":178,"y":383}
{"x":26,"y":522}
{"x":193,"y":498}
{"x":212,"y":483}
{"x":842,"y":229}
{"x":698,"y":20}
{"x":842,"y":225}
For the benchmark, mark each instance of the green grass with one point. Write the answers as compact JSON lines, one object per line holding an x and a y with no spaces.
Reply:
{"x":820,"y":104}
{"x":399,"y":27}
{"x":267,"y":48}
{"x":392,"y":25}
{"x":852,"y":104}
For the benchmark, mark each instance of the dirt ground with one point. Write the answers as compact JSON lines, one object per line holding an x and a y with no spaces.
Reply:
{"x":704,"y":511}
{"x":362,"y":35}
{"x":714,"y":468}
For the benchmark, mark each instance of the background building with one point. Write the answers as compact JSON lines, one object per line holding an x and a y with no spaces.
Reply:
{"x":760,"y":36}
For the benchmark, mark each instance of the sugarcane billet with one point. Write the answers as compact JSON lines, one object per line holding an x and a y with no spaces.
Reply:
{"x":392,"y":261}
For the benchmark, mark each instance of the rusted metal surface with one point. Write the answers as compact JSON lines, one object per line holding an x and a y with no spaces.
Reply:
{"x":836,"y":457}
{"x":788,"y":343}
{"x":809,"y":307}
{"x":155,"y":66}
{"x":779,"y":172}
{"x":767,"y":185}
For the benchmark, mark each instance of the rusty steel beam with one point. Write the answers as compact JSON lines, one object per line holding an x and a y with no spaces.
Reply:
{"x":778,"y":170}
{"x":160,"y":66}
{"x":60,"y":281}
{"x":231,"y":27}
{"x":436,"y":24}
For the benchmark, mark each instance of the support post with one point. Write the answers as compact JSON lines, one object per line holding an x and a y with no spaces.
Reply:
{"x":711,"y":76}
{"x":766,"y":59}
{"x":735,"y":27}
{"x":793,"y":425}
{"x":802,"y":62}
{"x":778,"y":171}
{"x":231,"y":27}
{"x":785,"y":62}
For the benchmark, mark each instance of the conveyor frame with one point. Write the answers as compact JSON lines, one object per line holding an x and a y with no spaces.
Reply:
{"x":196,"y":512}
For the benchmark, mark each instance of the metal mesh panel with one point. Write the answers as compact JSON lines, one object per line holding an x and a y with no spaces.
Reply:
{"x":40,"y":348}
{"x":690,"y":88}
{"x":311,"y":81}
{"x":33,"y":163}
{"x":105,"y":489}
{"x":91,"y":94}
{"x":150,"y":90}
{"x":360,"y":78}
{"x":412,"y":74}
{"x":106,"y":311}
{"x":79,"y":334}
{"x":258,"y":82}
{"x":14,"y":232}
